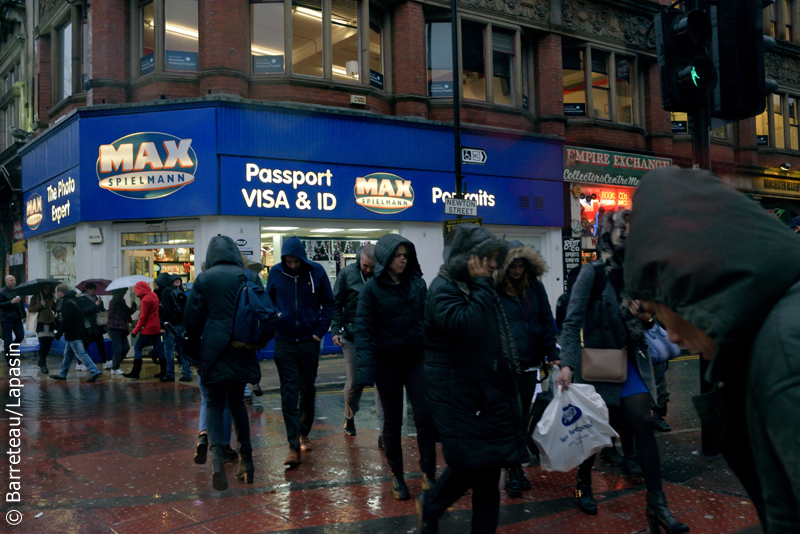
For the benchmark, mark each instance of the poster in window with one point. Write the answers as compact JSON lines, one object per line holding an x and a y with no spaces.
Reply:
{"x":376,"y":79}
{"x":177,"y":60}
{"x":268,"y":65}
{"x":441,"y":89}
{"x":62,"y":262}
{"x":146,"y":64}
{"x":575,"y":110}
{"x":762,"y":140}
{"x":680,"y":127}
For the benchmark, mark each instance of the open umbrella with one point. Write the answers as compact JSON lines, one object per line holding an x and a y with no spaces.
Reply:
{"x":127,"y":281}
{"x":101,"y":284}
{"x":32,"y":287}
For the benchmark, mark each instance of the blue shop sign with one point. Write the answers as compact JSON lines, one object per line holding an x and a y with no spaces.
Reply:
{"x":54,"y":204}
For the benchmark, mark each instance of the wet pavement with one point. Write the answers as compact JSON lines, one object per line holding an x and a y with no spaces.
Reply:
{"x":115,"y":456}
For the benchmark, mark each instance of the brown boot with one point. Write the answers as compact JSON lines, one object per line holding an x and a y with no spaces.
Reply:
{"x":293,"y":459}
{"x":305,"y":444}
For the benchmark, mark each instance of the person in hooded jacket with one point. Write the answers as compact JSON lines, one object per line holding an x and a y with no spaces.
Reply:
{"x":223,"y":369}
{"x":732,"y":295}
{"x":301,"y":292}
{"x":346,"y":291}
{"x":149,"y":325}
{"x":530,"y":318}
{"x":471,"y":367}
{"x":390,"y":351}
{"x":44,"y":303}
{"x":92,"y":305}
{"x":615,"y":321}
{"x":170,"y":311}
{"x":74,"y":332}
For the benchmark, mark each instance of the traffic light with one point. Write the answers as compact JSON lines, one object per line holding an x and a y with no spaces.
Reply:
{"x":687,"y":72}
{"x":737,"y":49}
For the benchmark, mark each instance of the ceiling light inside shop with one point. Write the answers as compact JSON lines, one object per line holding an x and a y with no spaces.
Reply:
{"x":191,"y":33}
{"x":280,"y":228}
{"x":363,"y":229}
{"x":327,"y":230}
{"x":314,"y":14}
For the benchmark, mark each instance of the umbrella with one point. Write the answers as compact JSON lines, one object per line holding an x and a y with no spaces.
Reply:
{"x":127,"y":281}
{"x":32,"y":287}
{"x":101,"y":284}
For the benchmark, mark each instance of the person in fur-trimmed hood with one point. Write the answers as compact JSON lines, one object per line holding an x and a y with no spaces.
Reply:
{"x":530,"y":319}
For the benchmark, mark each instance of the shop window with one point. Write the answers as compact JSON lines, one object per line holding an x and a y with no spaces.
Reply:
{"x":720,"y":132}
{"x":181,"y":44}
{"x":793,"y":123}
{"x":139,"y":239}
{"x":777,"y":119}
{"x":64,"y":40}
{"x":473,"y":76}
{"x":438,"y":39}
{"x":526,"y":72}
{"x":84,"y":53}
{"x":344,"y":40}
{"x":574,"y":84}
{"x":762,"y":128}
{"x":147,"y":31}
{"x":267,"y":37}
{"x":779,"y":125}
{"x":307,"y":43}
{"x":596,"y":201}
{"x":376,"y":48}
{"x":622,"y":77}
{"x":503,"y":66}
{"x":60,"y":259}
{"x":600,"y":85}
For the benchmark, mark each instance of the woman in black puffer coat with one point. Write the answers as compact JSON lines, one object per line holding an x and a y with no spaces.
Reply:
{"x":390,"y":351}
{"x":470,"y":369}
{"x":224,"y":370}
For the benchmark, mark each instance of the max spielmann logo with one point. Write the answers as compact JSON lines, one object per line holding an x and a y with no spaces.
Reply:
{"x":33,"y":211}
{"x":382,"y":192}
{"x":146,"y":165}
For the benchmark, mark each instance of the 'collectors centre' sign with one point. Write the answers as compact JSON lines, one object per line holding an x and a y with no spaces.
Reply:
{"x":146,"y":165}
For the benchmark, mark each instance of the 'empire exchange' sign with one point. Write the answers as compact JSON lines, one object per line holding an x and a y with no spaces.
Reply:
{"x":588,"y":165}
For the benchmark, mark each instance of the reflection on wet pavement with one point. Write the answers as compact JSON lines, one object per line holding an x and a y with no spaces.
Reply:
{"x":116,"y":456}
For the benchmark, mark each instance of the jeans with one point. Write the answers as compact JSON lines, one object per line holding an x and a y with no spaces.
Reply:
{"x":12,"y":328}
{"x":170,"y":347}
{"x":158,"y":347}
{"x":352,"y":392}
{"x":119,"y":340}
{"x":297,"y":363}
{"x":455,"y":482}
{"x":231,"y":393}
{"x":75,"y":349}
{"x":226,"y":415}
{"x":389,"y":380}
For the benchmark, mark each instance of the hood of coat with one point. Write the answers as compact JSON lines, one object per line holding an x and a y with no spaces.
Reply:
{"x":681,"y":251}
{"x":142,"y":289}
{"x":71,"y":294}
{"x":517,"y":250}
{"x":384,"y":252}
{"x":222,"y":250}
{"x":164,"y":280}
{"x":294,"y":247}
{"x":468,"y":239}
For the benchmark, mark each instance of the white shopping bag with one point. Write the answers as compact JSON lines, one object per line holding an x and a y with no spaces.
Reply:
{"x":574,"y":427}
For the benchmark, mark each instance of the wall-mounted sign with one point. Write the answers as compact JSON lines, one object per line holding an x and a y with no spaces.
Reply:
{"x":95,"y":235}
{"x":33,"y":211}
{"x":382,"y":192}
{"x":460,"y":206}
{"x":17,"y":229}
{"x":777,"y":186}
{"x":762,"y":140}
{"x":18,"y":247}
{"x":147,"y":64}
{"x":376,"y":79}
{"x":53,"y":205}
{"x":178,"y":60}
{"x":575,"y":110}
{"x":449,"y":225}
{"x":267,"y":64}
{"x":680,"y":127}
{"x":441,"y":89}
{"x":241,"y":242}
{"x":589,"y":165}
{"x":572,"y":256}
{"x":146,"y":165}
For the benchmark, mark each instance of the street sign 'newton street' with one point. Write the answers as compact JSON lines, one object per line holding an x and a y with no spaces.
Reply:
{"x":476,"y":156}
{"x":460,"y":206}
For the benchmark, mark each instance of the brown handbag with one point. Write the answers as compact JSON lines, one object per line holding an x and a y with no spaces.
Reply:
{"x":604,"y":365}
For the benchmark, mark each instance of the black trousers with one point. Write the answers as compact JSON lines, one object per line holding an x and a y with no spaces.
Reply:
{"x":97,"y":339}
{"x":526,"y":383}
{"x":389,"y":380}
{"x":297,"y":363}
{"x":232,"y":395}
{"x":44,"y":349}
{"x":455,"y":482}
{"x":12,"y":328}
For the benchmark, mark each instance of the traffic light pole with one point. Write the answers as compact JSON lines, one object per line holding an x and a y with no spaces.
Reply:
{"x":456,"y":98}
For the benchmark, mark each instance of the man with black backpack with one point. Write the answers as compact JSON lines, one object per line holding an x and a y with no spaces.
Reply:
{"x":173,"y":302}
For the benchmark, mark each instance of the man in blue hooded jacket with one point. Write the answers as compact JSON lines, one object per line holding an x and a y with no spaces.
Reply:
{"x":302,"y":294}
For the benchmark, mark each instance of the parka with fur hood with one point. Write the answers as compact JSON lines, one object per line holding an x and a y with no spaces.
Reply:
{"x":209,"y":313}
{"x":529,"y":315}
{"x":470,"y":360}
{"x":740,"y":284}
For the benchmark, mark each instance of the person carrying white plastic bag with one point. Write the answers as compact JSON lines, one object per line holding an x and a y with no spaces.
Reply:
{"x":573,"y":428}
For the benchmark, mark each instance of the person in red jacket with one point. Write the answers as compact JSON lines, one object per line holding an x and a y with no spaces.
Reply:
{"x":149,"y":326}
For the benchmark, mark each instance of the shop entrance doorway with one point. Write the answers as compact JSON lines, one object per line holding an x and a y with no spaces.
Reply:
{"x":153,"y":253}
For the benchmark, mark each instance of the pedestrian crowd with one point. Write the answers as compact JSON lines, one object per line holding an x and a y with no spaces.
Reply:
{"x":469,"y":350}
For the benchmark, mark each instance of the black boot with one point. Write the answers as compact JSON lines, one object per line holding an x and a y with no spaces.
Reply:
{"x":162,"y":362}
{"x":659,"y":516}
{"x":512,"y":484}
{"x":201,"y":450}
{"x":218,"y":478}
{"x":425,"y":523}
{"x":137,"y":368}
{"x":399,"y":488}
{"x":524,"y":483}
{"x":584,"y":497}
{"x":631,"y":467}
{"x":43,"y":363}
{"x":245,"y":470}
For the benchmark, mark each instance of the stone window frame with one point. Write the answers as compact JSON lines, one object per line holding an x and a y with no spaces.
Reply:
{"x":637,"y":88}
{"x":73,"y":16}
{"x":784,"y":96}
{"x":720,"y":133}
{"x":159,"y":40}
{"x":327,"y":52}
